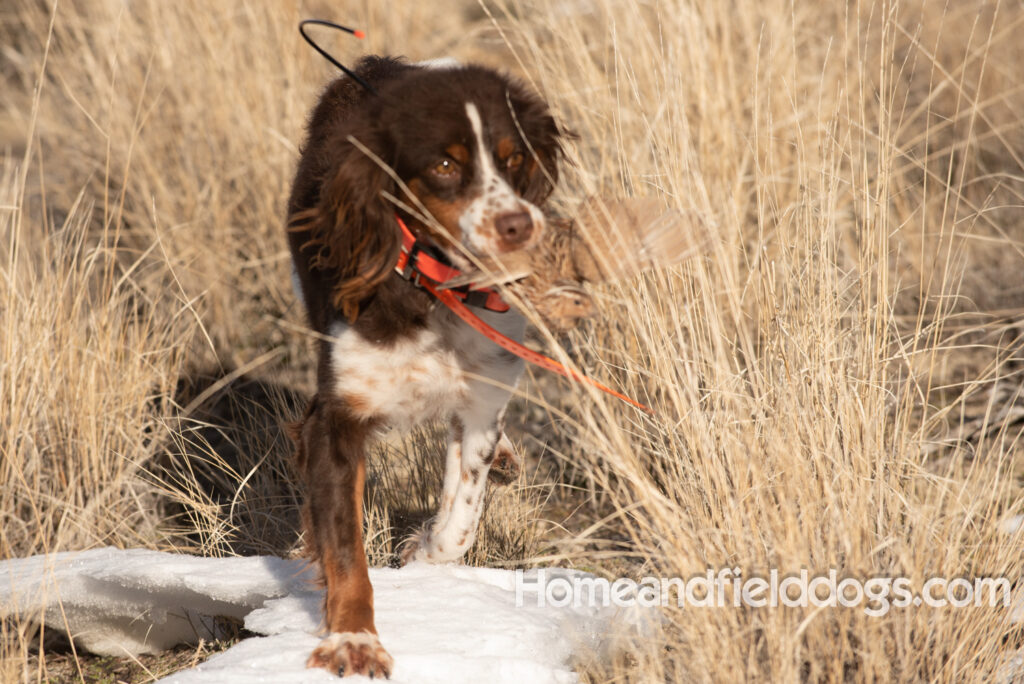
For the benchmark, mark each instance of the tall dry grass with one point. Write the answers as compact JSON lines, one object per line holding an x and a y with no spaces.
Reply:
{"x":837,"y":380}
{"x":861,"y":165}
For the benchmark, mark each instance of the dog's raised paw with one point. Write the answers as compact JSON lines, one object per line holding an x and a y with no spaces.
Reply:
{"x":349,"y":653}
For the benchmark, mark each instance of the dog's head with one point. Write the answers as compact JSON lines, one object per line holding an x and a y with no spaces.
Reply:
{"x":474,"y":148}
{"x":480,"y":153}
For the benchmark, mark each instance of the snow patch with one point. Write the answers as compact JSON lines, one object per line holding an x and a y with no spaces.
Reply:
{"x":121,"y":602}
{"x":440,"y":623}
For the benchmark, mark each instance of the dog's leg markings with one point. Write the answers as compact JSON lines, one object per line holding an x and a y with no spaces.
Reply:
{"x":332,"y":450}
{"x":449,"y":538}
{"x":453,"y":530}
{"x":453,"y":466}
{"x":450,"y":489}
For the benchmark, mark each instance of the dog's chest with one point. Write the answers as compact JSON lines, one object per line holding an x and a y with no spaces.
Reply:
{"x":421,"y":375}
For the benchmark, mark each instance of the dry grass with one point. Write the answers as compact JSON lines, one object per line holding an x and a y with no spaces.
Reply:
{"x":837,"y":381}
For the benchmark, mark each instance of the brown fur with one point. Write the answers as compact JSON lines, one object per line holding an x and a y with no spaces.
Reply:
{"x":505,"y":148}
{"x":458,"y":152}
{"x":444,"y":212}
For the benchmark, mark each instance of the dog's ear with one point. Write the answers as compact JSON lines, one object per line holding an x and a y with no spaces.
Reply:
{"x":353,"y":224}
{"x":544,"y":138}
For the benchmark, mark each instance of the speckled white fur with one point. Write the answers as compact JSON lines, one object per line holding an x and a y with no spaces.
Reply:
{"x":416,"y":378}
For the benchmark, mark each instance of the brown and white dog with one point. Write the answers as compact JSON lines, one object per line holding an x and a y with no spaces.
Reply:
{"x":480,"y":153}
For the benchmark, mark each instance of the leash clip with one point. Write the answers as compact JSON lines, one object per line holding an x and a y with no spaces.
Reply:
{"x":409,"y":272}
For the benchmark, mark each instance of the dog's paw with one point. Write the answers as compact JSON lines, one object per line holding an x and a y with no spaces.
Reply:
{"x":409,"y":550}
{"x":506,"y":465}
{"x":416,"y":548}
{"x":348,"y":653}
{"x":425,"y":547}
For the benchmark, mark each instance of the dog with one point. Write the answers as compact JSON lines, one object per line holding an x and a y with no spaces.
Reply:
{"x":477,"y":152}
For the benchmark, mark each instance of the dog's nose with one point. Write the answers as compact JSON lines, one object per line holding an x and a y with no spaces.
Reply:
{"x":514,"y":228}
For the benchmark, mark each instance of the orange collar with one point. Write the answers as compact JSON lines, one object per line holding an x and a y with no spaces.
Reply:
{"x":421,"y":259}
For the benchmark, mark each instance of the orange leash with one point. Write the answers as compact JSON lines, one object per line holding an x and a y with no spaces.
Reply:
{"x":462,"y":311}
{"x":429,"y":272}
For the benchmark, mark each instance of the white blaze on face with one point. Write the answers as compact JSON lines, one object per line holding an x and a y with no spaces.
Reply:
{"x":496,"y":197}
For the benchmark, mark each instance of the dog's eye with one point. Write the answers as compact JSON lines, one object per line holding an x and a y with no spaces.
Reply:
{"x":514,"y":161}
{"x":446,"y":168}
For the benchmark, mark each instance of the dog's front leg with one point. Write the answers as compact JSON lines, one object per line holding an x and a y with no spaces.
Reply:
{"x":333,"y":460}
{"x":474,"y":439}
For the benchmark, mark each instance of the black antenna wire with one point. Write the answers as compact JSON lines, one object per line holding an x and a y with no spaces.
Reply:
{"x":326,"y":55}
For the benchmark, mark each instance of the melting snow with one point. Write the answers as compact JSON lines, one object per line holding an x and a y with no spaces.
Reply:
{"x":441,"y":623}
